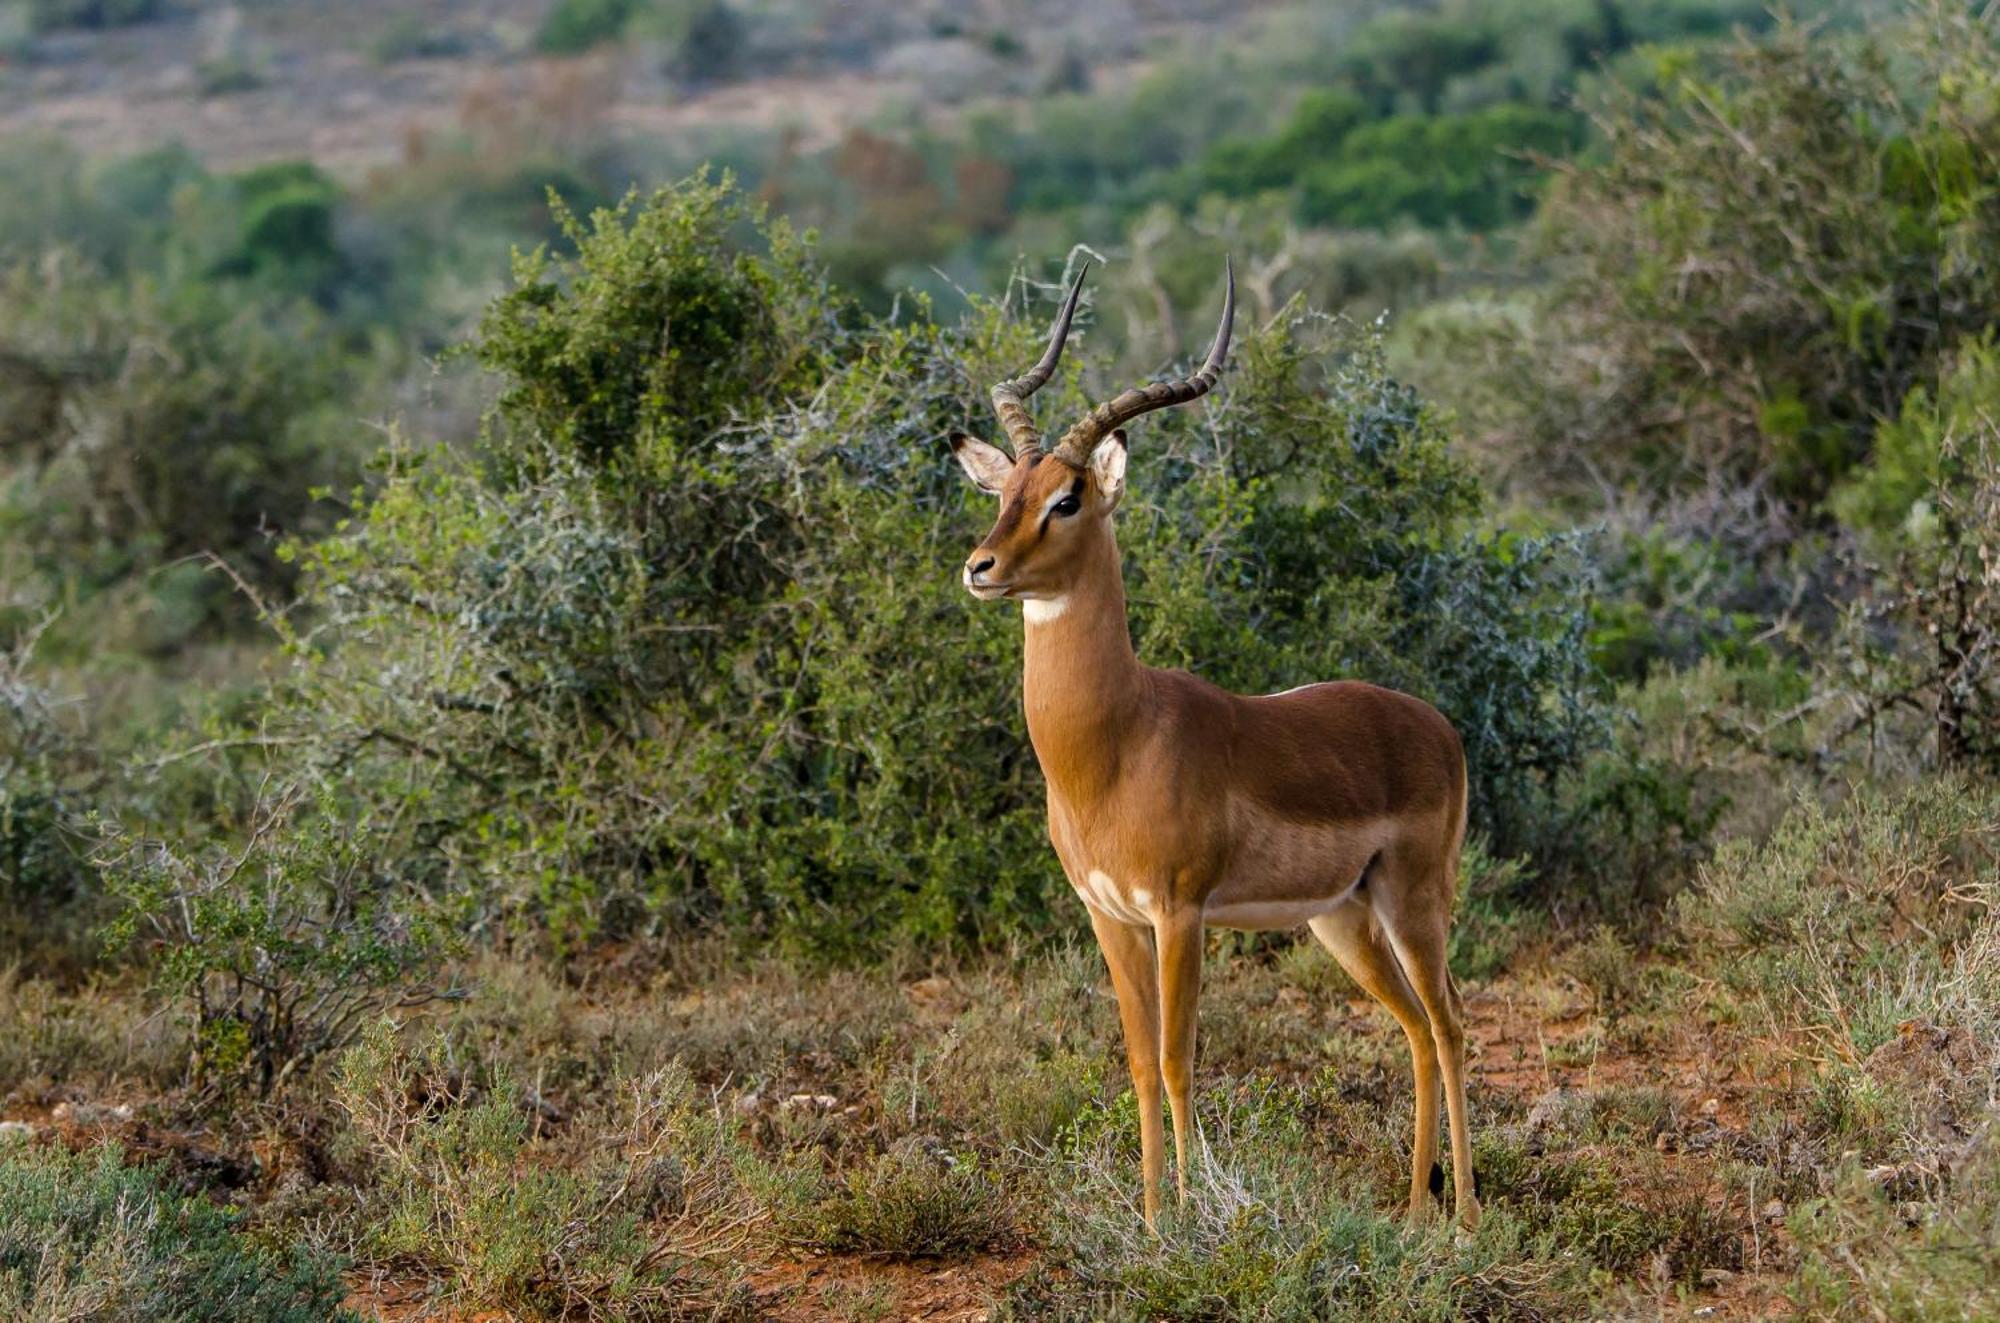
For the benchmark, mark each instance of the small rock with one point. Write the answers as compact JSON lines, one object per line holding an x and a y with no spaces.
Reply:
{"x":16,"y":1130}
{"x":1774,"y":1211}
{"x":1710,"y":1106}
{"x":1558,"y":1109}
{"x":86,"y":1114}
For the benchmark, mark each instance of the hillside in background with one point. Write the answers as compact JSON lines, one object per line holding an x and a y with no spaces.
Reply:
{"x":359,"y":86}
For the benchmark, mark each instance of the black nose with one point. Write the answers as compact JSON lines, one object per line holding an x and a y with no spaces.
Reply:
{"x":980,"y":568}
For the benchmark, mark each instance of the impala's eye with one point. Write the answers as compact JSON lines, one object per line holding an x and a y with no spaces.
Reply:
{"x":1067,"y":506}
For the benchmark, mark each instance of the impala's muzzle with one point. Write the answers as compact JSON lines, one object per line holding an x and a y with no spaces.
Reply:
{"x":980,"y":579}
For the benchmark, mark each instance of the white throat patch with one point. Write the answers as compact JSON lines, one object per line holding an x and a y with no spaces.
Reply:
{"x":1041,"y":610}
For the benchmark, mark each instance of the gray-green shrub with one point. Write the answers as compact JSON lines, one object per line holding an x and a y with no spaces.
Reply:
{"x":49,"y":774}
{"x":84,"y":1236}
{"x":1270,"y":1230}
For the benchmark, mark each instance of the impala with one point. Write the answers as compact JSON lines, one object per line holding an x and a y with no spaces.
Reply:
{"x":1174,"y":805}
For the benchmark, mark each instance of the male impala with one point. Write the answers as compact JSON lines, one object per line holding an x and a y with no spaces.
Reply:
{"x":1174,"y":805}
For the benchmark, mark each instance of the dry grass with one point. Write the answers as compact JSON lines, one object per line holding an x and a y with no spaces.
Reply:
{"x":1652,"y":1133}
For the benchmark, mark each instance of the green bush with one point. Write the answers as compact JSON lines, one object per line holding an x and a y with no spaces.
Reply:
{"x":590,"y":365}
{"x":571,"y":27}
{"x":202,"y":411}
{"x":1276,"y":1237}
{"x":909,"y":1204}
{"x":286,"y":216}
{"x":1474,"y":170}
{"x":84,"y":1236}
{"x":684,"y":647}
{"x":181,"y":409}
{"x":1862,"y":1257}
{"x":49,"y":777}
{"x":704,"y":39}
{"x":1699,"y":329}
{"x":1242,"y":167}
{"x":1927,"y":508}
{"x":1617,"y":1210}
{"x":1859,"y":919}
{"x":188,"y":357}
{"x":1445,"y":117}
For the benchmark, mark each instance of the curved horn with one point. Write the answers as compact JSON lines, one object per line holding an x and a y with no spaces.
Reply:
{"x":1008,"y":395}
{"x":1077,"y":443}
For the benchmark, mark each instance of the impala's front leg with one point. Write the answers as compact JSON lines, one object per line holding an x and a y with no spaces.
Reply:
{"x":1128,"y":950}
{"x":1178,"y":935}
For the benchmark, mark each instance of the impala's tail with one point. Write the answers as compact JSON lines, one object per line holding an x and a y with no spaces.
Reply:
{"x":1457,"y":846}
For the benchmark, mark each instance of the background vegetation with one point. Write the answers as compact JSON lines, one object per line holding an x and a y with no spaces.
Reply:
{"x":503,"y":802}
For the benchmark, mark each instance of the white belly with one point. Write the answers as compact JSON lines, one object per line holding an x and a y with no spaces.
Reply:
{"x":1264,"y":915}
{"x":1280,"y":874}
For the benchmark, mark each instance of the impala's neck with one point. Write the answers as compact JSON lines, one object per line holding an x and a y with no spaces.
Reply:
{"x":1083,"y":686}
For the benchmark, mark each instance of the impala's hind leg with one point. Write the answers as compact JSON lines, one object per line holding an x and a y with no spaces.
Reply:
{"x":1178,"y":937}
{"x":1355,"y":937}
{"x":1416,"y":919}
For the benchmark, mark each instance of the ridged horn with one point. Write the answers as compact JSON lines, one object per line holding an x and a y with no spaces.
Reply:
{"x":1077,"y":443}
{"x":1009,"y":397}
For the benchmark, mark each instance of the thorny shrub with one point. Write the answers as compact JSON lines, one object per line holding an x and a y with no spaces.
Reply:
{"x":283,"y":943}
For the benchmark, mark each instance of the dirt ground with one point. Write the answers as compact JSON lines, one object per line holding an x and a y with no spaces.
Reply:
{"x":1532,"y":1045}
{"x":1537,"y":1042}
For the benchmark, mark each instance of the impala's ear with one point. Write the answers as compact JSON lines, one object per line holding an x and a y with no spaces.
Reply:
{"x":987,"y":466}
{"x":1107,"y":467}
